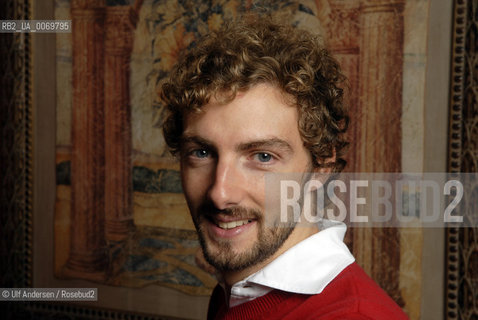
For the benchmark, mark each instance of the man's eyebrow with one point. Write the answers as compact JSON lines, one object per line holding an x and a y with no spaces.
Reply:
{"x":196,"y":140}
{"x":251,"y":145}
{"x":265,"y":143}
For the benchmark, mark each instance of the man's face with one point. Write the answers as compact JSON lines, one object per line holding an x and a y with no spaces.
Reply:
{"x":225,"y":152}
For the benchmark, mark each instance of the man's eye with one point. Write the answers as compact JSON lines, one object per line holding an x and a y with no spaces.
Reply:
{"x":200,"y":153}
{"x":264,"y":157}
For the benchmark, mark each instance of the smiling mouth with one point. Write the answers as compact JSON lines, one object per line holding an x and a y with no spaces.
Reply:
{"x":232,"y":224}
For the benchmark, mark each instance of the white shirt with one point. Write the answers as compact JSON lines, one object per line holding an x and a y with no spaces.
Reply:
{"x":306,"y":268}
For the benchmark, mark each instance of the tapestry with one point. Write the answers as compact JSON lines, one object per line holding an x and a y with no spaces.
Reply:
{"x":121,"y":218}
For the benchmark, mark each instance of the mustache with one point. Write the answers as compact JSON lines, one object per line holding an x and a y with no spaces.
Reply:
{"x":209,"y":210}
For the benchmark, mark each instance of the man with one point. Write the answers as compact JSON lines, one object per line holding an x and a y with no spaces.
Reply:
{"x":252,"y":99}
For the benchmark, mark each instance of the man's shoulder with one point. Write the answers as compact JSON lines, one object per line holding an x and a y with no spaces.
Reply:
{"x":353,"y":294}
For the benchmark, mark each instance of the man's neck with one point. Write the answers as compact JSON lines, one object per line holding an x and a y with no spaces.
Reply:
{"x":300,"y":233}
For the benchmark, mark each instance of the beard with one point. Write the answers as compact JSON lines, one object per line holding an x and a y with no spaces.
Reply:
{"x":220,"y":253}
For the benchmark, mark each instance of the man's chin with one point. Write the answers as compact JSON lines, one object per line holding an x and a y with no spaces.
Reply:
{"x":226,"y":257}
{"x":240,"y":253}
{"x":227,"y":264}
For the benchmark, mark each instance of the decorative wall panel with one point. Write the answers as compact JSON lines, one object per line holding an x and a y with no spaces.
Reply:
{"x":462,"y":243}
{"x":15,"y":153}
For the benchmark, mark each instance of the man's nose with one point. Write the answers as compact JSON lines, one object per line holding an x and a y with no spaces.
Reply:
{"x":227,"y":188}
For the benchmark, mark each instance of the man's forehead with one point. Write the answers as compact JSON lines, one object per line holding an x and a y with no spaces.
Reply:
{"x":262,"y":105}
{"x":224,"y":96}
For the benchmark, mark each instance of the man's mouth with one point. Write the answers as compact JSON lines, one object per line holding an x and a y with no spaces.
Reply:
{"x":232,"y":224}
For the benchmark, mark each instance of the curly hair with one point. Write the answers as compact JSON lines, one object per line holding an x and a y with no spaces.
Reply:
{"x":259,"y":50}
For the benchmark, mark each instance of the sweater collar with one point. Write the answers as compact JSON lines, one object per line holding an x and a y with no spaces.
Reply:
{"x":306,"y":268}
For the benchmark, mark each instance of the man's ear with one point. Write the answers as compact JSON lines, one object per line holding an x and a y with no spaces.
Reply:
{"x":326,"y":166}
{"x":324,"y":169}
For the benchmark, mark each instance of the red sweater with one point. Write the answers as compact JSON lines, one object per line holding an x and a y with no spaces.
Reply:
{"x":351,"y":295}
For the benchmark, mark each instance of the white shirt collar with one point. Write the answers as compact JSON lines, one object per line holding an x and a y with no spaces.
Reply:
{"x":306,"y":268}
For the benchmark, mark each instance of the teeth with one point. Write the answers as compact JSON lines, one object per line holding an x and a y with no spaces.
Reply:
{"x":232,"y":224}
